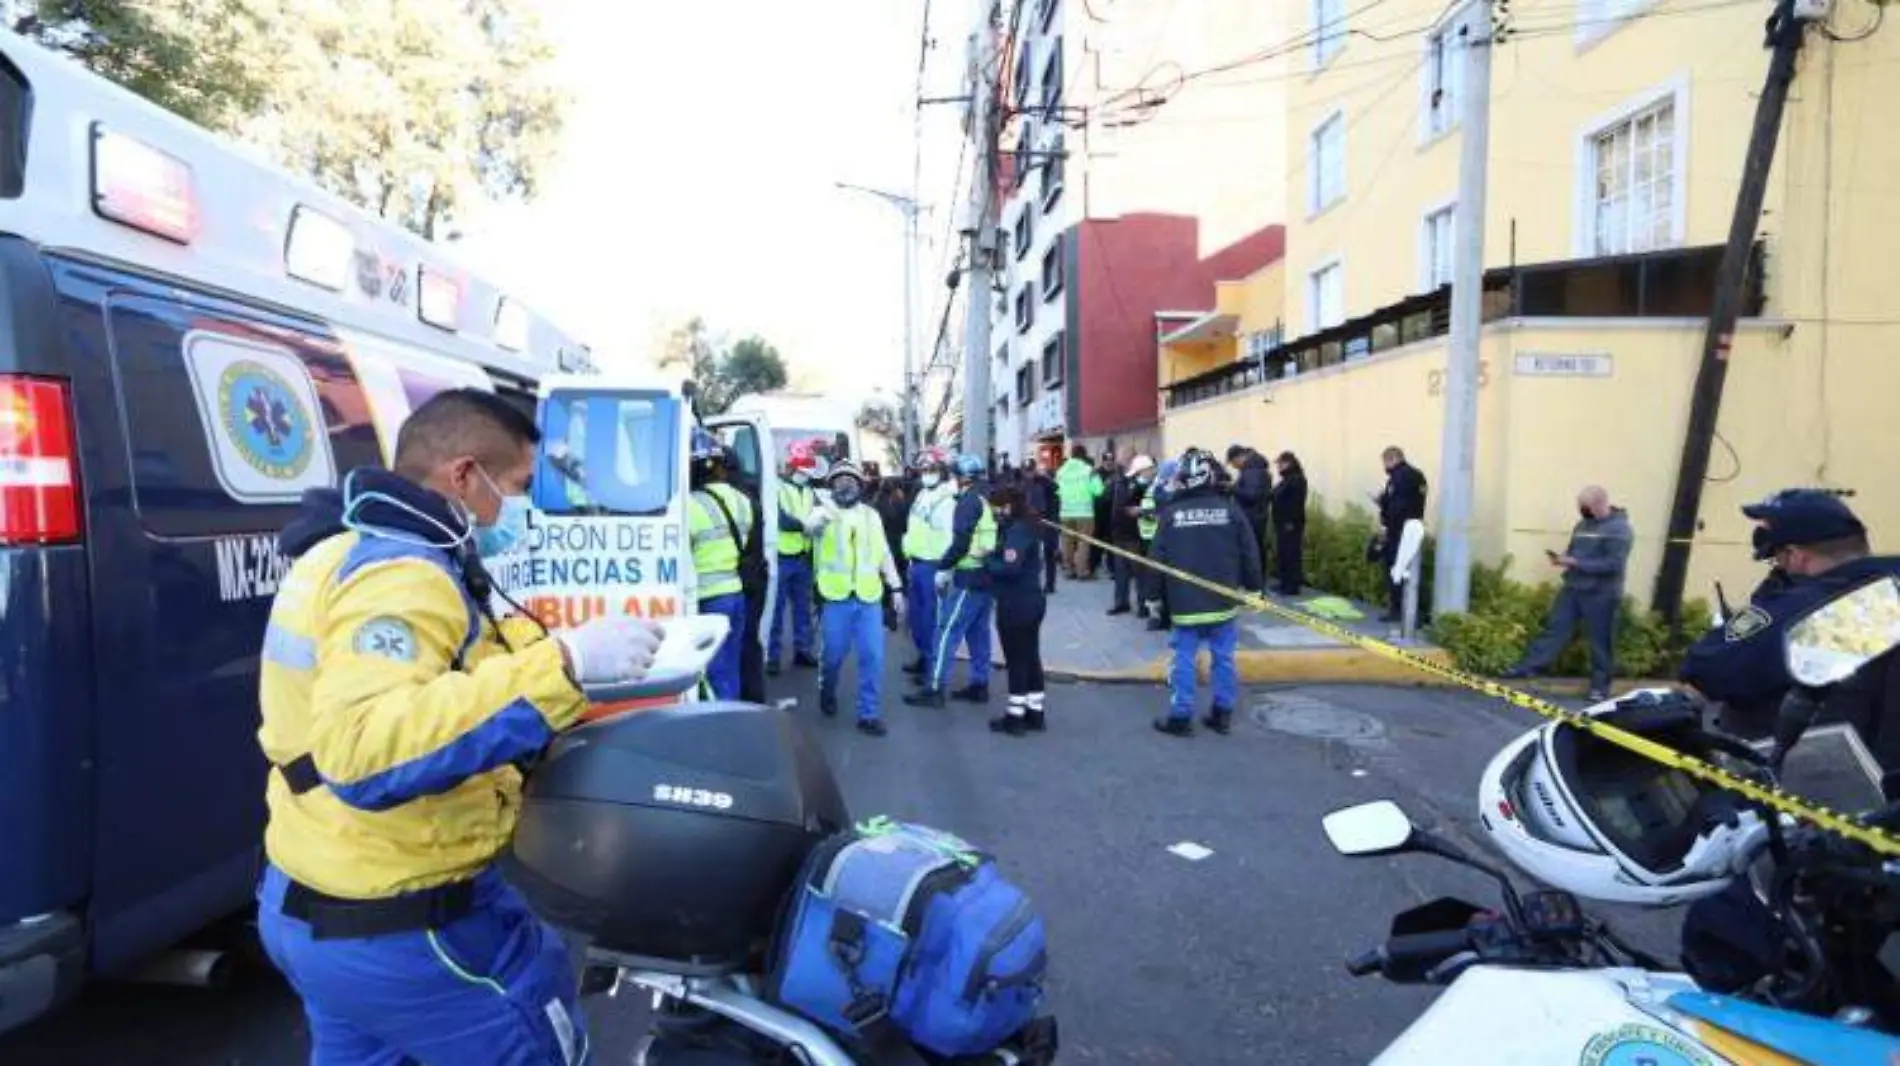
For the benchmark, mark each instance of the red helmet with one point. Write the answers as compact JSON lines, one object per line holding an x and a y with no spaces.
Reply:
{"x":801,"y":459}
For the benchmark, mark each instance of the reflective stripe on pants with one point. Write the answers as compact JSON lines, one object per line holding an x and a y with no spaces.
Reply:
{"x":964,"y":618}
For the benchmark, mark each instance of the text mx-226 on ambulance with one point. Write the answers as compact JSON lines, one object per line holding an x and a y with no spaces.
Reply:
{"x":188,"y":341}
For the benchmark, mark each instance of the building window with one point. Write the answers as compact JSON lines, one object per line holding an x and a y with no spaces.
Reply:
{"x":1022,"y":156}
{"x":1052,"y":269}
{"x":1025,"y":64}
{"x":1025,"y":307}
{"x":1326,"y":164}
{"x":1635,"y":168}
{"x":1025,"y":383}
{"x":1052,"y":356}
{"x":1046,"y":13}
{"x":1597,"y":19}
{"x":1325,"y":297}
{"x":1435,"y":249}
{"x":1329,"y":30}
{"x":1444,"y":74}
{"x":1025,"y":220}
{"x":1052,"y":81}
{"x":1052,"y":175}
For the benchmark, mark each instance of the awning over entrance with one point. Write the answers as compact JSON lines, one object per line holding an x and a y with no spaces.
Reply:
{"x":1210,"y":328}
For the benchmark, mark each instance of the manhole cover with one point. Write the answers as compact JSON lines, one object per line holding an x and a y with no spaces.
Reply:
{"x":1316,"y":719}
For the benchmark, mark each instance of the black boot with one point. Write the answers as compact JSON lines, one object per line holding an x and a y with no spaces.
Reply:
{"x":771,"y":669}
{"x":872,"y":727}
{"x":1141,"y":611}
{"x":828,"y":705}
{"x":1012,"y":724}
{"x":1157,"y":624}
{"x":804,"y":661}
{"x":1220,"y":720}
{"x":1118,"y":609}
{"x":1034,"y":721}
{"x":972,"y":694}
{"x":925,"y":697}
{"x":1175,"y":727}
{"x":915,"y":667}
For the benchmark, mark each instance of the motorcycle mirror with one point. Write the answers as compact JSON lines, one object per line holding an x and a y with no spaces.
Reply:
{"x":1844,"y":634}
{"x":1376,"y":828}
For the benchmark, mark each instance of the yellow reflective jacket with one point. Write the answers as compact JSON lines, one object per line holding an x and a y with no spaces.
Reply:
{"x":378,"y":666}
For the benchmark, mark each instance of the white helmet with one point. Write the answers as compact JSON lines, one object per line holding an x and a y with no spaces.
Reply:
{"x":1140,"y":465}
{"x":1581,"y":814}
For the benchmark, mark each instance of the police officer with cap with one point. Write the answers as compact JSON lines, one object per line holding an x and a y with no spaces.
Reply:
{"x":1819,"y":549}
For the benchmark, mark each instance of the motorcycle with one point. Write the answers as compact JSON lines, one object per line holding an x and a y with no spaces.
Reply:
{"x":665,"y":842}
{"x":1543,"y":981}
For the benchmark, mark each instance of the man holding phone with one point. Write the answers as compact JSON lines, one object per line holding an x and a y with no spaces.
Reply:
{"x":1592,"y":567}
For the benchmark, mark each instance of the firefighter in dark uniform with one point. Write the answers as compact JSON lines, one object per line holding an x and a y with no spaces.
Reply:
{"x":1819,"y":549}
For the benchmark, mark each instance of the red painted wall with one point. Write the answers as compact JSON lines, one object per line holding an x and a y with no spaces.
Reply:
{"x":1128,"y":269}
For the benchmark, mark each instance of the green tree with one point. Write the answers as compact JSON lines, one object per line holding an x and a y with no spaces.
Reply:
{"x":752,"y":367}
{"x":410,"y":108}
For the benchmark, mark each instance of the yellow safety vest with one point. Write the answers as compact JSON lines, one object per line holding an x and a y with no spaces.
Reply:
{"x":927,"y":535}
{"x":851,"y":556}
{"x":795,"y":501}
{"x":715,"y":553}
{"x":1147,"y":522}
{"x":982,"y":542}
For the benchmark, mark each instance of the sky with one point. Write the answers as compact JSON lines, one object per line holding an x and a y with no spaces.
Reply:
{"x":697,"y":177}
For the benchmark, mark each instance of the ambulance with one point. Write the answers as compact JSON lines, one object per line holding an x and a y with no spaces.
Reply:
{"x":190,"y":340}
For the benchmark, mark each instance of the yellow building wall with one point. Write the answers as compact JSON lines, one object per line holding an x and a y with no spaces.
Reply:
{"x":1542,"y":438}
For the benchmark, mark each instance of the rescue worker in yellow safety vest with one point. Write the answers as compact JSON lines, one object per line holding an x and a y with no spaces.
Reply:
{"x":926,"y":538}
{"x":963,"y":576}
{"x":396,"y":710}
{"x":718,"y":521}
{"x":854,"y":570}
{"x":796,"y":501}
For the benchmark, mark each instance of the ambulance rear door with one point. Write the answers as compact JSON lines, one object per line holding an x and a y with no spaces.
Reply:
{"x":607,"y":535}
{"x":750,"y":439}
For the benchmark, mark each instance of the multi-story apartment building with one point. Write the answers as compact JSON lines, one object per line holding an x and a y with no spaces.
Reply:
{"x":1618,"y":129}
{"x":1122,"y":191}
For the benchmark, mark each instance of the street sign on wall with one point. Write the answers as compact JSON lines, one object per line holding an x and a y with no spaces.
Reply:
{"x":1564,"y":364}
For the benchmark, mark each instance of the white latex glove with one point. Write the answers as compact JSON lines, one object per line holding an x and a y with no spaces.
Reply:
{"x":898,"y":606}
{"x":943,"y":581}
{"x":609,"y":650}
{"x":816,"y":521}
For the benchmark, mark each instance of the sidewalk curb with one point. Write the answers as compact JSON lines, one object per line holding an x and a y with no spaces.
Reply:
{"x":1279,"y":666}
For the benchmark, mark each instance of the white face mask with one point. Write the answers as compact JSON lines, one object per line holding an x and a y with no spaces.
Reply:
{"x":932,"y":480}
{"x":800,"y":478}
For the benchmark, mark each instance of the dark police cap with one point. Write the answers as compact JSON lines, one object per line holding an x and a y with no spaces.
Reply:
{"x":1800,"y":516}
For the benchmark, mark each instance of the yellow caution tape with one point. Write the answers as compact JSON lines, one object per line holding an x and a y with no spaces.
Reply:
{"x":1769,"y":796}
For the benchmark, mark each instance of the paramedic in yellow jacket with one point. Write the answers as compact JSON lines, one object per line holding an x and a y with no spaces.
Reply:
{"x":395,"y":713}
{"x":854,"y":569}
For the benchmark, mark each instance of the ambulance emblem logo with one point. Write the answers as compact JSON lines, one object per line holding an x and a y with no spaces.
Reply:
{"x":386,"y":638}
{"x":266,"y":420}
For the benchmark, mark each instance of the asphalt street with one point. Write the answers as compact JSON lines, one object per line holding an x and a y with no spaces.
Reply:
{"x":1232,"y":958}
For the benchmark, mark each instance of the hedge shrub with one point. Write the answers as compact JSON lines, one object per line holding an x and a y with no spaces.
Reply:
{"x":1505,"y":615}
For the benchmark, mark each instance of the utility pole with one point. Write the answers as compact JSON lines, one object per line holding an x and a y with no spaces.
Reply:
{"x":976,"y":328}
{"x":907,"y":415}
{"x":1785,"y":36}
{"x":1452,"y":588}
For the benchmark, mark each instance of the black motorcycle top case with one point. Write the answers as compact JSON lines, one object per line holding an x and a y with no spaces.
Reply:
{"x":674,"y":834}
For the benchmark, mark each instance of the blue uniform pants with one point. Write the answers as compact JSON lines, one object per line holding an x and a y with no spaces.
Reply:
{"x":722,"y":674}
{"x":1221,"y":639}
{"x":494,"y":987}
{"x":923,"y":607}
{"x":855,"y":624}
{"x":794,"y":594}
{"x":963,"y":618}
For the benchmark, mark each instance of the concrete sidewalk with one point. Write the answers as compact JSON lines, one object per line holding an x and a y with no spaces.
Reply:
{"x":1082,"y":642}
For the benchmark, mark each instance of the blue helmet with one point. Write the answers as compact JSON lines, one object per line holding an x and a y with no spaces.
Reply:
{"x":968,"y":466}
{"x":705,"y":446}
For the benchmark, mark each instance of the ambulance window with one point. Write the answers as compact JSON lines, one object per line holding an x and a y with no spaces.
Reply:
{"x":16,"y":113}
{"x":744,"y":442}
{"x":617,"y":453}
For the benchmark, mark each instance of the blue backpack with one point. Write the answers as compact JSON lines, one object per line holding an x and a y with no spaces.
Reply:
{"x":902,"y":926}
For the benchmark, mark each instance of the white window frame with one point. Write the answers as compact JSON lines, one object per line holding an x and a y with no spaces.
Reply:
{"x":1316,"y":203}
{"x":1583,"y":221}
{"x":1327,"y":45}
{"x":1426,"y":279}
{"x":1313,"y":323}
{"x":1436,"y":122}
